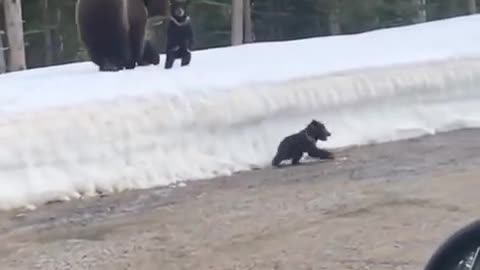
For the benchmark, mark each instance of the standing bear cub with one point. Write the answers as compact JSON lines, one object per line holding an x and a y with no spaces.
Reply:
{"x":293,"y":146}
{"x":179,"y":34}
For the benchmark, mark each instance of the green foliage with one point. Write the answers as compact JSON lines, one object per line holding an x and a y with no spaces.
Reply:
{"x":50,"y":31}
{"x":211,"y":23}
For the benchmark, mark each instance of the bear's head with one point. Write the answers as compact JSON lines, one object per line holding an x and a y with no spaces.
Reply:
{"x":178,"y":10}
{"x":317,"y":130}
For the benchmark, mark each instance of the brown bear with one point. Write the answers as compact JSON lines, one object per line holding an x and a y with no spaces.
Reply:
{"x":113,"y":32}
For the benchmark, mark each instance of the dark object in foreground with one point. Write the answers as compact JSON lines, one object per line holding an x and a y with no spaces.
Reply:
{"x":293,"y":146}
{"x":179,"y":35}
{"x":460,"y":251}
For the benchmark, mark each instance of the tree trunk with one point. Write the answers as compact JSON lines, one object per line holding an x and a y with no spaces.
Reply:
{"x":59,"y":38}
{"x":247,"y":18}
{"x":472,"y":6}
{"x":237,"y":22}
{"x":3,"y":66}
{"x":47,"y":35}
{"x":334,"y":22}
{"x":422,"y":11}
{"x":14,"y":27}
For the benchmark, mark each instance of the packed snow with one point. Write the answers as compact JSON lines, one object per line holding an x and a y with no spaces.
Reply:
{"x":70,"y":131}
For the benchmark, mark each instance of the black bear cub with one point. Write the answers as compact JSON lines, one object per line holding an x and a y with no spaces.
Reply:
{"x":293,"y":146}
{"x":179,"y":34}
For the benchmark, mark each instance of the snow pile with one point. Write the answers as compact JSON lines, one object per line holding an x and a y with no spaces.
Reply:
{"x":69,"y":131}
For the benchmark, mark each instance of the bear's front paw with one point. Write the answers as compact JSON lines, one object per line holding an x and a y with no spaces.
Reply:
{"x":330,"y":156}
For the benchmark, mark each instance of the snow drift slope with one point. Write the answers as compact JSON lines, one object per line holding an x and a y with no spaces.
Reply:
{"x":69,"y":131}
{"x":221,"y":69}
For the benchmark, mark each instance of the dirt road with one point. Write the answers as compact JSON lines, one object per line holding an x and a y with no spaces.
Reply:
{"x":377,"y":207}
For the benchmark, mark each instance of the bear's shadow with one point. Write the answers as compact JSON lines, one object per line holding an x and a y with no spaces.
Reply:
{"x":308,"y":162}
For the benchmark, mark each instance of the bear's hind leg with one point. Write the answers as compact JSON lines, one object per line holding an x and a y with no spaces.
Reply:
{"x":107,"y":66}
{"x":277,"y":160}
{"x":295,"y":161}
{"x":296,"y":158}
{"x":137,"y":20}
{"x":186,"y":58}
{"x":282,"y":154}
{"x":137,"y":45}
{"x":155,"y":59}
{"x":170,"y":59}
{"x":130,"y":63}
{"x":118,"y":51}
{"x":100,"y":59}
{"x":129,"y":57}
{"x":95,"y":57}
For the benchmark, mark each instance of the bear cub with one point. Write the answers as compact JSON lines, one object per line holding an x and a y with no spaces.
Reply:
{"x":179,"y":34}
{"x":292,"y":147}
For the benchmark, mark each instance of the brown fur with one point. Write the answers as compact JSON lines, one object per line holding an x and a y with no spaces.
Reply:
{"x":113,"y":31}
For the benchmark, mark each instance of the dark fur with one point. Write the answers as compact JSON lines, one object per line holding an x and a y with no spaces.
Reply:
{"x":150,"y":55}
{"x":294,"y":146}
{"x":111,"y":44}
{"x":179,"y":35}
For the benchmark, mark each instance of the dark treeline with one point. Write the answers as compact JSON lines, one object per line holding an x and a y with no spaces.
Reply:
{"x":51,"y":36}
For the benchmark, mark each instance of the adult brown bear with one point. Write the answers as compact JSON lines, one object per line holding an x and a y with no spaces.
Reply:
{"x":113,"y":31}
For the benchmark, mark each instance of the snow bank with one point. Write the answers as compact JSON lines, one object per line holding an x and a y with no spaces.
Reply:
{"x":224,"y":68}
{"x":70,"y":131}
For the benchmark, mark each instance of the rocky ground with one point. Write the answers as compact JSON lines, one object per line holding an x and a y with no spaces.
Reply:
{"x":380,"y":207}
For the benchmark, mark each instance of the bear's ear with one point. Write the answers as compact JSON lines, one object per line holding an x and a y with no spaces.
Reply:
{"x":316,"y":122}
{"x":311,"y":124}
